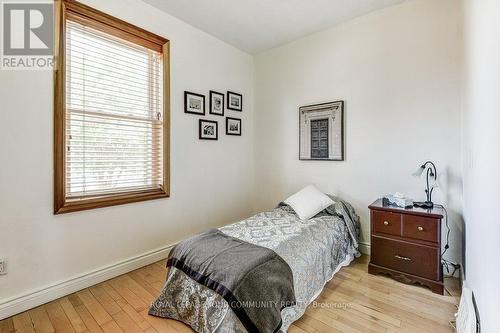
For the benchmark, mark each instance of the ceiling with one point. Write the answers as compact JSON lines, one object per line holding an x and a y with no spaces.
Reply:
{"x":257,"y":25}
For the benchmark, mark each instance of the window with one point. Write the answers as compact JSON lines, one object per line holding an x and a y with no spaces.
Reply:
{"x":111,"y":111}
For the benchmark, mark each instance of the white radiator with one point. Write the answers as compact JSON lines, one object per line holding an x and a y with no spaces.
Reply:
{"x":466,"y":315}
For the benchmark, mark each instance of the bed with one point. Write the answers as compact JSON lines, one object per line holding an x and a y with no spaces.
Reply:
{"x":314,"y":249}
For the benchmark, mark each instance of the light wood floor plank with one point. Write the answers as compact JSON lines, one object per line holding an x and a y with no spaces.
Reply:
{"x":137,"y":289}
{"x":87,"y":318}
{"x":140,"y":279}
{"x":111,"y":291}
{"x":108,"y":303}
{"x":319,"y":326}
{"x":138,"y":304}
{"x":72,"y":315}
{"x":58,"y":318}
{"x":331,"y":320}
{"x":126,"y":323}
{"x":362,"y":317}
{"x":96,"y":310}
{"x":41,"y":321}
{"x":304,"y":326}
{"x":354,"y":301}
{"x":7,"y":326}
{"x":136,"y":317}
{"x":22,"y":323}
{"x":111,"y":327}
{"x":148,"y":274}
{"x":296,"y":329}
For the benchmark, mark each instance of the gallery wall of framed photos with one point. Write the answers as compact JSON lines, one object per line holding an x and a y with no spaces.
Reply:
{"x":208,"y":129}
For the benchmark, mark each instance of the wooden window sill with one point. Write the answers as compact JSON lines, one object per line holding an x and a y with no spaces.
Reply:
{"x":75,"y":205}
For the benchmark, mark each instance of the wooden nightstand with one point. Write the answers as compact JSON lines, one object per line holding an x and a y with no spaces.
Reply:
{"x":406,"y":244}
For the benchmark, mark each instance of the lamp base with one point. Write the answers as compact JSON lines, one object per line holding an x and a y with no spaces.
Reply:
{"x":425,"y":205}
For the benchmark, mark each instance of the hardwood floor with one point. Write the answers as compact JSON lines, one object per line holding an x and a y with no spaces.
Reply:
{"x":353,"y":301}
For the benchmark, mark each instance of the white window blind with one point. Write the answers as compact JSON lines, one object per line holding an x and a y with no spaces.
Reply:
{"x":114,"y":115}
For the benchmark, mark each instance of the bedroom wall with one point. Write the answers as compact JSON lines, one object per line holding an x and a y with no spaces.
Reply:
{"x":398,"y":71}
{"x":481,"y":126}
{"x":211,"y":182}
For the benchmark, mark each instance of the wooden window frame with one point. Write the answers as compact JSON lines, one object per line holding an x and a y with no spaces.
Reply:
{"x":91,"y":17}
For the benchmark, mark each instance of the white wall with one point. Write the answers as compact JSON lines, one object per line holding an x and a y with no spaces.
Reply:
{"x":481,"y":125}
{"x":398,"y":71}
{"x":211,"y":181}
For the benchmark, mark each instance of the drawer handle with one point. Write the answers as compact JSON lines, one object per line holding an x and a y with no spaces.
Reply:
{"x":420,"y":228}
{"x":402,"y":258}
{"x":386,"y":223}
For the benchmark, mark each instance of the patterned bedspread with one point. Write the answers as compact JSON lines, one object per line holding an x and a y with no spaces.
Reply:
{"x":314,"y":249}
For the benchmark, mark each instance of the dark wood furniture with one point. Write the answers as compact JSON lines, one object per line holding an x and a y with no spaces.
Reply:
{"x":406,"y":244}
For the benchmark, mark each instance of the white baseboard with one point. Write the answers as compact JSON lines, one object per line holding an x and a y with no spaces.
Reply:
{"x":29,"y":300}
{"x":364,"y":248}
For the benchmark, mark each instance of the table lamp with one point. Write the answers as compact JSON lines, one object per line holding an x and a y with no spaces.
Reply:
{"x":431,"y":172}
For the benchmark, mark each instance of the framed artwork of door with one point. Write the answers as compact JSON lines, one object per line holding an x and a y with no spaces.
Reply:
{"x":321,"y":132}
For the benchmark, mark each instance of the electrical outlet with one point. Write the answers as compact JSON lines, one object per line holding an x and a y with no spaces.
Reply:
{"x":3,"y":266}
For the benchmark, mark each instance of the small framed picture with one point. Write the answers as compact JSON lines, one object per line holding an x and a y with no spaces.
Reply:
{"x":194,"y":103}
{"x":208,"y":130}
{"x":233,"y":126}
{"x":216,"y":103}
{"x":234,"y":101}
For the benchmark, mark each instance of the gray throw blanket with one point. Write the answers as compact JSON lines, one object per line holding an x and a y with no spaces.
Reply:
{"x":346,"y":211}
{"x":255,"y":281}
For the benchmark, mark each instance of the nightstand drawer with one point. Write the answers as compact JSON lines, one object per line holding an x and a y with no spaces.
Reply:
{"x":386,"y":223}
{"x":405,"y":257}
{"x":422,"y":228}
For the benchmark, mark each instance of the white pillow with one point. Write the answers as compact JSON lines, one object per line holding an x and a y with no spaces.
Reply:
{"x":308,"y":202}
